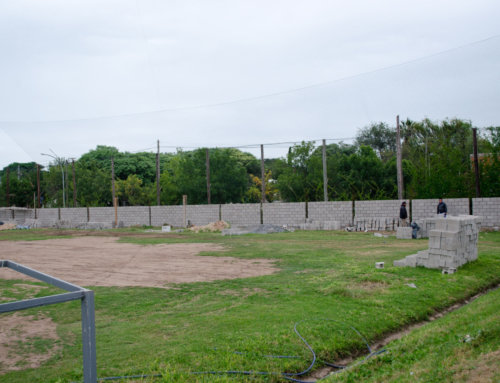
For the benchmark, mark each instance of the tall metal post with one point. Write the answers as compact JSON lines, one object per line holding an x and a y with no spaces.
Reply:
{"x":476,"y":162}
{"x":88,"y":338}
{"x":263,"y":173}
{"x":38,"y":185}
{"x":207,"y":162}
{"x":399,"y":160}
{"x":325,"y":175}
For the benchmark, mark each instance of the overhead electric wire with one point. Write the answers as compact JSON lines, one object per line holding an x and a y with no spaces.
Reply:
{"x":267,"y":95}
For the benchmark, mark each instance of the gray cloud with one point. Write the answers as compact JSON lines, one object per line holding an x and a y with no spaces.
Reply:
{"x":75,"y":61}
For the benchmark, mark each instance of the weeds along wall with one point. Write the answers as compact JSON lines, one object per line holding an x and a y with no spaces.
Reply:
{"x":277,"y":213}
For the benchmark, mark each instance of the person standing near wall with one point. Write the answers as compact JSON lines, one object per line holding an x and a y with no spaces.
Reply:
{"x":442,"y":208}
{"x":403,"y":214}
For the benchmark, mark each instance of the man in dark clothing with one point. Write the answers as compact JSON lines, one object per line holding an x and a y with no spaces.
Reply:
{"x":403,"y":214}
{"x":442,"y":208}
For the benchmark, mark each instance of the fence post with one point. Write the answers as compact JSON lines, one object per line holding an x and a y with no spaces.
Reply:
{"x":88,"y":338}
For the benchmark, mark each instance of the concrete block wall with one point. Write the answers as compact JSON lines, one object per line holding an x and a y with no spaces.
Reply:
{"x":371,"y":215}
{"x":331,"y":211}
{"x":5,"y":215}
{"x":76,"y":215}
{"x":378,"y":209}
{"x":203,"y":214}
{"x":488,"y":209}
{"x":241,"y":214}
{"x":47,"y":217}
{"x":280,"y":213}
{"x":131,"y":215}
{"x":171,"y":215}
{"x":427,"y":208}
{"x":102,"y":214}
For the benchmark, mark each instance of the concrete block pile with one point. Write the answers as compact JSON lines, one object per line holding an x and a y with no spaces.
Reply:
{"x":404,"y":233}
{"x":452,"y":243}
{"x":376,"y":224}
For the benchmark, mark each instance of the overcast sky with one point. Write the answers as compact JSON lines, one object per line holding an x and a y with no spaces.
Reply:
{"x":125,"y":73}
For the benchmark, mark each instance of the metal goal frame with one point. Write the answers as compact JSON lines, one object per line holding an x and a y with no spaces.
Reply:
{"x":74,"y":292}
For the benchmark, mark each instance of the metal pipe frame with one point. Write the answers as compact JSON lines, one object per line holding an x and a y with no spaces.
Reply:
{"x":74,"y":293}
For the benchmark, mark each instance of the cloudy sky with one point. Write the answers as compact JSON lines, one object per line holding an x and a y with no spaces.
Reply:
{"x":77,"y":74}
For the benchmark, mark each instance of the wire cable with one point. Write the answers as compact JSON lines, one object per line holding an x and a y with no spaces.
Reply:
{"x":267,"y":95}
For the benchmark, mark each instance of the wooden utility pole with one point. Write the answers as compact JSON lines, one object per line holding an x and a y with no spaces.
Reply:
{"x":399,"y":160}
{"x":184,"y":205}
{"x":263,"y":173}
{"x":207,"y":161}
{"x":476,"y":162}
{"x":325,"y":176}
{"x":67,"y":184}
{"x":7,"y":187}
{"x":74,"y":181}
{"x":38,"y":185}
{"x":115,"y":204}
{"x":158,"y":175}
{"x":113,"y":178}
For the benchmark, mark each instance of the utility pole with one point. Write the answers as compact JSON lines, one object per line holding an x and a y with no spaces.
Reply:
{"x":325,"y":175}
{"x":476,"y":162}
{"x":158,"y":174}
{"x":74,"y":181}
{"x":263,"y":173}
{"x":38,"y":185}
{"x":113,"y":179}
{"x":207,"y":161}
{"x":67,"y":183}
{"x":399,"y":160}
{"x":7,"y":186}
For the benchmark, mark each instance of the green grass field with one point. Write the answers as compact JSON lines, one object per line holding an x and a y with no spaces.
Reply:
{"x":327,"y":281}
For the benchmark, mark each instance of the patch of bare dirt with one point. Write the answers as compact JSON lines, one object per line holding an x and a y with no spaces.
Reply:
{"x":102,"y":261}
{"x":26,"y":341}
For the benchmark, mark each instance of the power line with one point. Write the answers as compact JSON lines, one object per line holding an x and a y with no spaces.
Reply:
{"x":267,"y":95}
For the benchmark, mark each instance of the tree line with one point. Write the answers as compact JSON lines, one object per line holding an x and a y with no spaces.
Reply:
{"x":437,"y":162}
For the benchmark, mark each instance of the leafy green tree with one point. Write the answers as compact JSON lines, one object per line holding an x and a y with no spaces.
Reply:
{"x":380,"y":137}
{"x":93,"y":185}
{"x":297,"y":180}
{"x":228,"y":176}
{"x":489,"y":163}
{"x":131,"y":191}
{"x":22,"y":184}
{"x":440,"y":154}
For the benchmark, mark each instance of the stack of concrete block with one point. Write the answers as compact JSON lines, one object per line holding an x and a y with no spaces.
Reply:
{"x":452,"y":243}
{"x":404,"y":232}
{"x":376,"y":223}
{"x":425,"y":225}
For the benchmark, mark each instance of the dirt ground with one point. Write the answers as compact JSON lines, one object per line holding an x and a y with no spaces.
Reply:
{"x":102,"y":261}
